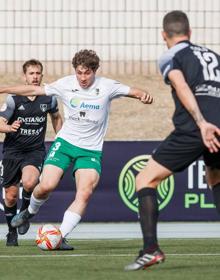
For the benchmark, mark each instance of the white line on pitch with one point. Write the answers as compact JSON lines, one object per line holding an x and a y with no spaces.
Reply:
{"x":100,"y":255}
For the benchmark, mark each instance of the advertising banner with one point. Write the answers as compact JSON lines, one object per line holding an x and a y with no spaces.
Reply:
{"x":182,"y":197}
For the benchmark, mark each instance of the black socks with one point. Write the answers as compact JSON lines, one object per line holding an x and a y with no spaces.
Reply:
{"x":148,"y":211}
{"x":10,"y":212}
{"x":26,"y":196}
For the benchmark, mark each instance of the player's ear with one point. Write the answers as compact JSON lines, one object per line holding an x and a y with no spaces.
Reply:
{"x":164,"y":35}
{"x":24,"y":78}
{"x":190,"y":33}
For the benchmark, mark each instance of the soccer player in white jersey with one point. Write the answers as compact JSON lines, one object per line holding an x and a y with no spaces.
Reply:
{"x":86,"y":100}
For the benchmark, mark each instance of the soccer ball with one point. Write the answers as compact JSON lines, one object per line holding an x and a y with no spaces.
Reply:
{"x":48,"y":237}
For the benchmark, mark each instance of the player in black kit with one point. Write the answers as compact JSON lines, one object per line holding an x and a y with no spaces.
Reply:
{"x":24,"y":120}
{"x":194,"y":75}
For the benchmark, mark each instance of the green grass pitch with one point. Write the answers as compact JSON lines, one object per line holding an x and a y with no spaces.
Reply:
{"x":188,"y":259}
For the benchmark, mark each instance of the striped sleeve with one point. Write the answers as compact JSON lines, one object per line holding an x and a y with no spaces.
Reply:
{"x":8,"y":108}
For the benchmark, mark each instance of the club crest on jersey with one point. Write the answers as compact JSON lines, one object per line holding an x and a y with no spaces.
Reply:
{"x":97,"y":91}
{"x":43,"y":107}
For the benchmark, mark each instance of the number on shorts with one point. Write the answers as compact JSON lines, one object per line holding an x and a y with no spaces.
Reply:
{"x":55,"y":148}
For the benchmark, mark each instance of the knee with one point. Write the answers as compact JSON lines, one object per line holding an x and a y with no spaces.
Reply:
{"x":11,"y":198}
{"x":44,"y":188}
{"x":212,"y":183}
{"x":212,"y":177}
{"x":144,"y":181}
{"x":29,"y":185}
{"x":84,"y":194}
{"x":139,"y":181}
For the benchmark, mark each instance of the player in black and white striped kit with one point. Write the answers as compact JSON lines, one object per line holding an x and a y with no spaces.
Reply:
{"x":24,"y":121}
{"x":194,"y":75}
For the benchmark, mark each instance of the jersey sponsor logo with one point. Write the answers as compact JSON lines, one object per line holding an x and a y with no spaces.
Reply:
{"x":21,"y":108}
{"x":126,"y":184}
{"x":84,"y":105}
{"x":82,"y":114}
{"x":32,"y":119}
{"x":30,"y":132}
{"x":198,"y":48}
{"x":43,"y":107}
{"x":207,"y":90}
{"x":76,"y":103}
{"x":78,"y":119}
{"x":3,"y":108}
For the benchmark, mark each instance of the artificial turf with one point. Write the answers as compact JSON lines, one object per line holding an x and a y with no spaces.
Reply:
{"x":105,"y":259}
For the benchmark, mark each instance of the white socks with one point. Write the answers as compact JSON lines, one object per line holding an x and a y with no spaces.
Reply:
{"x":70,"y":221}
{"x":35,"y":204}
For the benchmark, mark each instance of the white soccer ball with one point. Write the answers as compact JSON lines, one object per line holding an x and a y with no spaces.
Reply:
{"x":48,"y":237}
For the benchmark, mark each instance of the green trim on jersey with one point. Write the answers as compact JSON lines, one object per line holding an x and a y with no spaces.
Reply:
{"x":62,"y":154}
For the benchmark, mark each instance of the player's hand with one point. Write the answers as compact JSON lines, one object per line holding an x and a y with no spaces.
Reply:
{"x":146,"y":98}
{"x":211,"y":136}
{"x":15,"y":126}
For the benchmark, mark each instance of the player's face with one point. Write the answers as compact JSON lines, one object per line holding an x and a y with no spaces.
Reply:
{"x":33,"y":75}
{"x":85,"y":76}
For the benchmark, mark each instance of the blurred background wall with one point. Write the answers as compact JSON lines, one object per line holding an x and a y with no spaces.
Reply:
{"x":125,"y":33}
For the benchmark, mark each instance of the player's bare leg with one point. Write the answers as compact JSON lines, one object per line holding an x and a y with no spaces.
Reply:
{"x":10,"y":210}
{"x":86,"y":181}
{"x":30,"y":177}
{"x":51,"y":176}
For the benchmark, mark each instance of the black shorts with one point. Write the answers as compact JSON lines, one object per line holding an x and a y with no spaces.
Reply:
{"x":180,"y":149}
{"x":12,"y":167}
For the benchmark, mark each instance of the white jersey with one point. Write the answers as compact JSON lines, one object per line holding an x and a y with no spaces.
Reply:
{"x":86,"y":111}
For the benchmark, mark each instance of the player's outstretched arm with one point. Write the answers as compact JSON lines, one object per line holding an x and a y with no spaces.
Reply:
{"x":210,"y":133}
{"x":25,"y":90}
{"x":142,"y":95}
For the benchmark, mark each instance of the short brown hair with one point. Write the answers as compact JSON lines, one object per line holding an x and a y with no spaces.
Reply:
{"x":86,"y":58}
{"x":32,"y":62}
{"x":176,"y":23}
